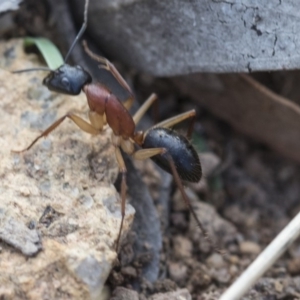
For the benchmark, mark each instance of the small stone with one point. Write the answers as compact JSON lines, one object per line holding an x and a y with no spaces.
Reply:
{"x":249,"y":247}
{"x":129,"y":271}
{"x":182,"y":294}
{"x":209,"y":162}
{"x":177,"y":271}
{"x":278,"y":286}
{"x":200,"y":277}
{"x":121,"y":293}
{"x":216,"y":261}
{"x":165,"y":285}
{"x":24,"y":191}
{"x":219,"y":230}
{"x":18,"y":235}
{"x":233,"y":270}
{"x":294,"y":266}
{"x":222,"y":275}
{"x":183,"y":247}
{"x":234,"y":259}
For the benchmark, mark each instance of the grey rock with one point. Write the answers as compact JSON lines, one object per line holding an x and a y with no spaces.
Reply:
{"x":178,"y":37}
{"x":19,"y":235}
{"x":57,"y":192}
{"x":6,"y":5}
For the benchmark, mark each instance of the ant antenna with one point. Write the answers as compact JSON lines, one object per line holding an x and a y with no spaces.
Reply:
{"x":79,"y":35}
{"x":32,"y":69}
{"x":82,"y":29}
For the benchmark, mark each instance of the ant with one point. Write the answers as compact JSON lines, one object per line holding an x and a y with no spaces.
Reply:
{"x":168,"y":149}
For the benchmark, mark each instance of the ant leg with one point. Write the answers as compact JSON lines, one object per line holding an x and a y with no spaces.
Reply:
{"x":185,"y":197}
{"x":128,"y":103}
{"x":142,"y":110}
{"x":123,"y":171}
{"x":177,"y":119}
{"x":107,"y":65}
{"x":147,"y":153}
{"x":82,"y":124}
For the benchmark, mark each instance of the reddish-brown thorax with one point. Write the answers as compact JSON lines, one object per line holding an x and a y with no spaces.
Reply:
{"x":101,"y":100}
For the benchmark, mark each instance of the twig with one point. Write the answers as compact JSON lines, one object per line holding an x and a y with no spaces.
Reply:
{"x":264,"y":261}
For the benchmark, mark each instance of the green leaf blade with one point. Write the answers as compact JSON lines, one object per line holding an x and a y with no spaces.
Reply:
{"x":48,"y":50}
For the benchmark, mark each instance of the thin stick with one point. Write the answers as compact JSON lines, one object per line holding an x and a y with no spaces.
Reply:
{"x":264,"y":261}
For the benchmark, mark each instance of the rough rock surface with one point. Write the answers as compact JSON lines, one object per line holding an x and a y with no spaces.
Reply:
{"x":178,"y":37}
{"x":58,"y":204}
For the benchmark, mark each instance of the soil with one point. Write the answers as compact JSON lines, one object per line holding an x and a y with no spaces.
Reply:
{"x":243,"y":204}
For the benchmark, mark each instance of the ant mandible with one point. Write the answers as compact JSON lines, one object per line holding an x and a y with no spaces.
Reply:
{"x":168,"y":149}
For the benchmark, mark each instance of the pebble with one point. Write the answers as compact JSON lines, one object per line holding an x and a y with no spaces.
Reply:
{"x":216,"y":261}
{"x":183,"y":247}
{"x":182,"y":294}
{"x":222,"y":275}
{"x":294,"y":266}
{"x":121,"y":293}
{"x":177,"y":271}
{"x":129,"y":271}
{"x":248,"y":247}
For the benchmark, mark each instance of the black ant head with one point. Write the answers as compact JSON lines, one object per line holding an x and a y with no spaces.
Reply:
{"x":67,"y":80}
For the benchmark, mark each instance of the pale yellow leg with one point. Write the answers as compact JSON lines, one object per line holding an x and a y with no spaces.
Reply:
{"x":82,"y":124}
{"x":147,"y":153}
{"x":96,"y":120}
{"x":177,"y":119}
{"x":128,"y":103}
{"x":142,"y":110}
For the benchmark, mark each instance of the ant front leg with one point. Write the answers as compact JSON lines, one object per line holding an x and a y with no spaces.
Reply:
{"x":107,"y":65}
{"x":82,"y":124}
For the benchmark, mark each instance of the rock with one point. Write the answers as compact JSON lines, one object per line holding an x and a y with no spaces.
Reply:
{"x":183,"y":247}
{"x":9,"y":5}
{"x":216,"y":261}
{"x":199,"y":276}
{"x":222,"y":276}
{"x":248,"y":247}
{"x":294,"y":266}
{"x":209,"y":162}
{"x":177,"y":271}
{"x":18,"y":235}
{"x":220,"y":231}
{"x":180,"y":37}
{"x":182,"y":294}
{"x":121,"y":293}
{"x":61,"y":189}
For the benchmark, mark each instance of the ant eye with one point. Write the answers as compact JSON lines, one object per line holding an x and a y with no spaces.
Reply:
{"x":65,"y":81}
